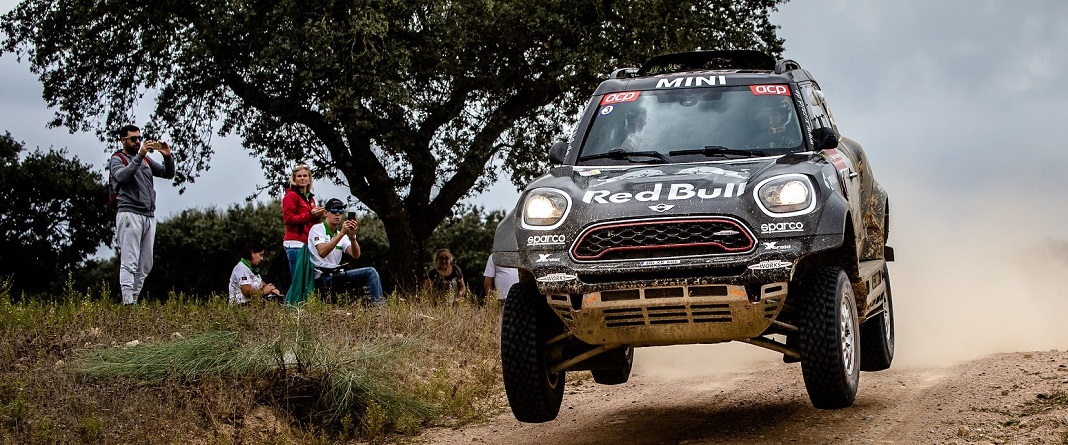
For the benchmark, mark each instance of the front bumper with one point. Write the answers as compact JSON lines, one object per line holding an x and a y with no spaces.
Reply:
{"x":667,"y":301}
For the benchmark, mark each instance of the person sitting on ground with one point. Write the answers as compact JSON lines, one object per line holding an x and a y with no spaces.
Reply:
{"x":326,"y":244}
{"x":445,"y":280}
{"x":245,"y":280}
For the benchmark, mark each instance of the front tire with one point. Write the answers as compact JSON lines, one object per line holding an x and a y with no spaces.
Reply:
{"x":877,"y":335}
{"x":828,"y":336}
{"x":534,"y":393}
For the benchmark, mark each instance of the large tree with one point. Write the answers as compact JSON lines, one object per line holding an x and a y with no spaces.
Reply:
{"x":412,"y":104}
{"x":53,"y":214}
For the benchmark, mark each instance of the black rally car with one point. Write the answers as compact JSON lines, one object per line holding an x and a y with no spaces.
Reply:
{"x":705,"y":197}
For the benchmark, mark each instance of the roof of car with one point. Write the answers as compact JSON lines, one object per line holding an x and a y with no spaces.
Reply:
{"x":698,"y":69}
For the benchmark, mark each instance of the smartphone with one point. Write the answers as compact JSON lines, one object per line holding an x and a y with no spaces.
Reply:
{"x":351,"y":215}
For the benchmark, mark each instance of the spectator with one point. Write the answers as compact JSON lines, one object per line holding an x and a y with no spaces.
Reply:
{"x":445,"y":280}
{"x":501,"y":278}
{"x":245,"y":280}
{"x":299,"y":213}
{"x":132,"y":173}
{"x":327,"y":242}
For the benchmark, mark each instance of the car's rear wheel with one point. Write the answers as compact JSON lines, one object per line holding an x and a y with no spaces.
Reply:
{"x":877,"y":335}
{"x":534,"y":393}
{"x":617,"y":376}
{"x":828,"y":337}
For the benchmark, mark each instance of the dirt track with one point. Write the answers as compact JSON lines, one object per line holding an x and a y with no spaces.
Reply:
{"x":1003,"y":398}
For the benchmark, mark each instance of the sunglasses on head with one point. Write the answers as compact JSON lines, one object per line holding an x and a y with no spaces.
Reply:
{"x":336,"y":211}
{"x":135,"y":138}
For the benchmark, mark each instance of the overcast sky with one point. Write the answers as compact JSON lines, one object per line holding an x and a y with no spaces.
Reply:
{"x":961,"y":108}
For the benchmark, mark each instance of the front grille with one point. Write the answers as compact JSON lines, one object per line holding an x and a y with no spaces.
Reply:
{"x":662,"y":238}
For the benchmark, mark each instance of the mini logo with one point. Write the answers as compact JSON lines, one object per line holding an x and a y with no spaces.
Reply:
{"x":545,"y":240}
{"x":782,"y":227}
{"x":545,"y":258}
{"x":727,"y":232}
{"x":557,"y":278}
{"x":771,"y":264}
{"x":661,"y":208}
{"x":774,"y":245}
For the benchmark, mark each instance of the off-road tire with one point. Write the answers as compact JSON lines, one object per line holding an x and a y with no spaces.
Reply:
{"x":828,"y":337}
{"x":533,"y":392}
{"x":616,"y":376}
{"x":877,"y":335}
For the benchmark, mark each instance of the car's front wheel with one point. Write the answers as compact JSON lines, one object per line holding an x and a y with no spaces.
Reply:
{"x":534,"y":392}
{"x":828,"y":337}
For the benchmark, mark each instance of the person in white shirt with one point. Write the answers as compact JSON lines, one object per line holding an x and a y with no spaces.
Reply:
{"x":245,"y":280}
{"x":501,"y":278}
{"x":326,"y":243}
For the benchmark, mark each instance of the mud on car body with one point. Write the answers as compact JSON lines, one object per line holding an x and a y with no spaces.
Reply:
{"x":705,"y":197}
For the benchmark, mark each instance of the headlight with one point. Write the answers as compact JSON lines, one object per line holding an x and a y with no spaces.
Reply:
{"x":545,"y":209}
{"x":786,"y":195}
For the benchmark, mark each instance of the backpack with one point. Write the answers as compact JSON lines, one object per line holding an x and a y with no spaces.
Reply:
{"x":113,"y":187}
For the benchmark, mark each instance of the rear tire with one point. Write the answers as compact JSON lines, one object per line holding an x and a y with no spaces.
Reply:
{"x":877,"y":335}
{"x":534,"y":393}
{"x":616,"y":376}
{"x":828,"y":337}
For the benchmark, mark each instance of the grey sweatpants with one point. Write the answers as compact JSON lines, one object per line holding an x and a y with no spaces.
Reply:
{"x":136,"y":234}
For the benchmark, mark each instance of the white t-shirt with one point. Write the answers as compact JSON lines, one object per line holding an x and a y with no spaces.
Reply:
{"x":317,"y":235}
{"x":242,"y":275}
{"x":503,"y":277}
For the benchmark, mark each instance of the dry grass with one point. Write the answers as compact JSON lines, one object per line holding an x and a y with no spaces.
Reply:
{"x":81,"y":370}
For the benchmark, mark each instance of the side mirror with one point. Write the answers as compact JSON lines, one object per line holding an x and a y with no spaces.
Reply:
{"x":824,"y":138}
{"x":557,"y":152}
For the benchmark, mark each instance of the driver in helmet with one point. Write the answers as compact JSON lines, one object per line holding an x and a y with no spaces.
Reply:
{"x":774,"y":126}
{"x":633,"y":124}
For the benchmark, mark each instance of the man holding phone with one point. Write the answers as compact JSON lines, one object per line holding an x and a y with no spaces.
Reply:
{"x":327,"y":242}
{"x":132,"y":173}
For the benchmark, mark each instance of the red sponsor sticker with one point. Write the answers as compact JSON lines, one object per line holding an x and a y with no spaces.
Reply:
{"x":615,"y":98}
{"x":836,"y":158}
{"x":770,"y":90}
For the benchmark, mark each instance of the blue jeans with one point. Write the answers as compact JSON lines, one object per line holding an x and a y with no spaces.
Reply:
{"x":364,"y":276}
{"x":292,"y":253}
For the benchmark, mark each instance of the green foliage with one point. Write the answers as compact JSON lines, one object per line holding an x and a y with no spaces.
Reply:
{"x":53,"y":214}
{"x":412,"y":104}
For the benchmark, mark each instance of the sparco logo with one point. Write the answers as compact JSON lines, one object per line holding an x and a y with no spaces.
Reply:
{"x":545,"y":240}
{"x":782,"y":227}
{"x":675,"y":192}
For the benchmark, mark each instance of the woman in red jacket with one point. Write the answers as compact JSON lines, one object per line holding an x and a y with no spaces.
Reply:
{"x":299,"y":213}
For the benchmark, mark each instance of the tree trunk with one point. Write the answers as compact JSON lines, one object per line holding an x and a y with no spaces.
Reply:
{"x":405,"y":260}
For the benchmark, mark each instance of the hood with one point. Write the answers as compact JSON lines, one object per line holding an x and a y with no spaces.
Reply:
{"x":647,"y":185}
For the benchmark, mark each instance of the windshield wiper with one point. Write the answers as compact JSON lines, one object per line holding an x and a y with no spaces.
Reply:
{"x":718,"y":150}
{"x":621,"y":154}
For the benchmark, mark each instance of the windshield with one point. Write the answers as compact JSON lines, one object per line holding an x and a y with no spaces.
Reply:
{"x":692,"y":124}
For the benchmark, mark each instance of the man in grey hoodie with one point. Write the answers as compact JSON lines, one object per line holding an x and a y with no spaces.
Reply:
{"x":132,"y":173}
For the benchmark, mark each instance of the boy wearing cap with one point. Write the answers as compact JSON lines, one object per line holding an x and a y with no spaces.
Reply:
{"x":328,"y":240}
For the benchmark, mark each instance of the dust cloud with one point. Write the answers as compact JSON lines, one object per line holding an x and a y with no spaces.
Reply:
{"x":974,"y":275}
